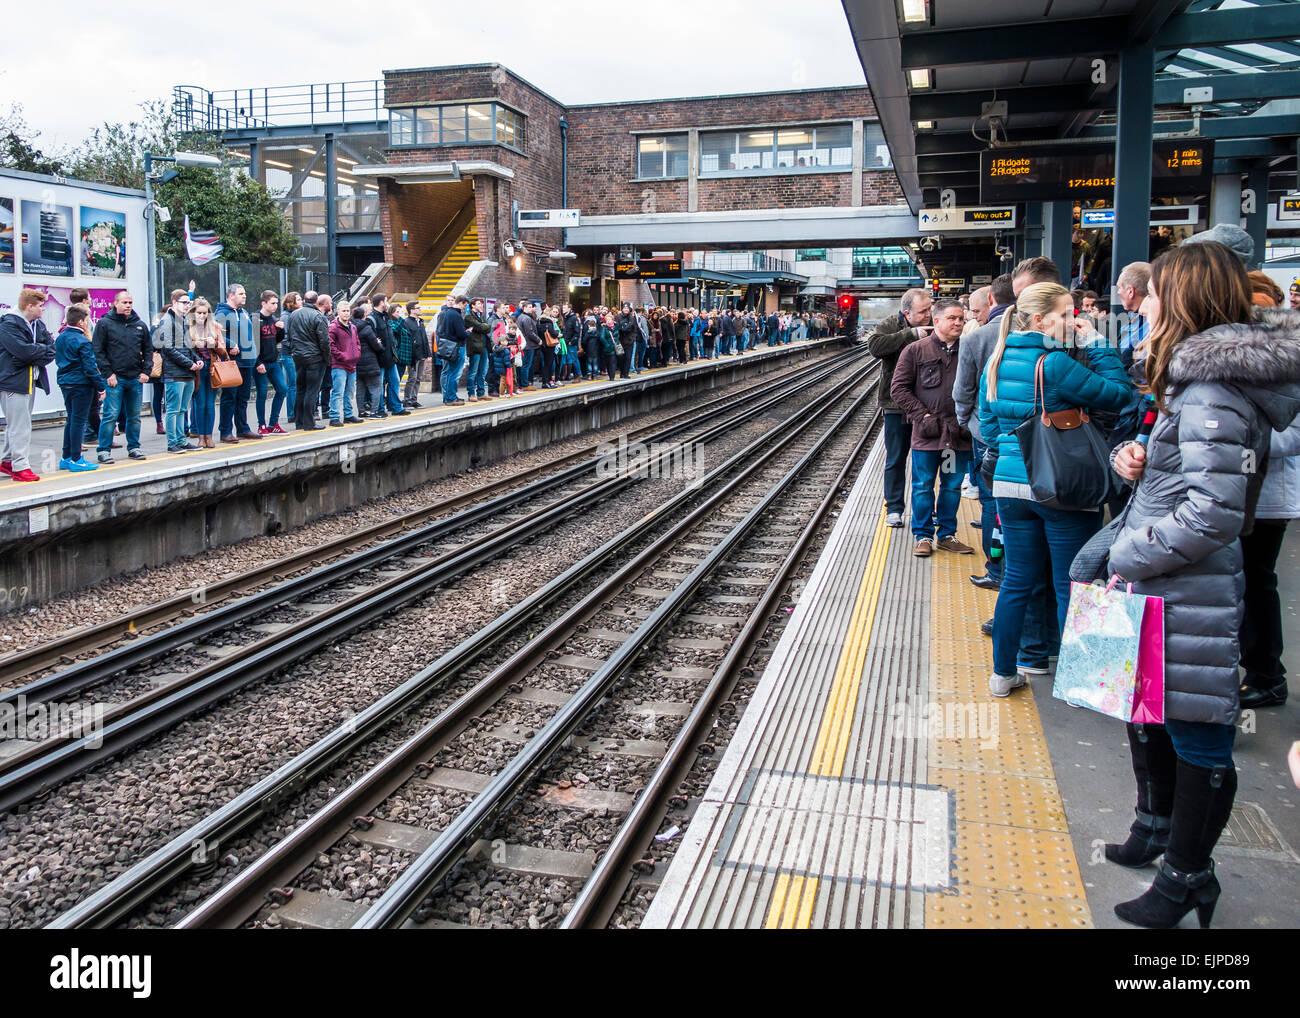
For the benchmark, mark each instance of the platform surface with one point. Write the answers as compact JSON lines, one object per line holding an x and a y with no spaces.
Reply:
{"x":874,"y":781}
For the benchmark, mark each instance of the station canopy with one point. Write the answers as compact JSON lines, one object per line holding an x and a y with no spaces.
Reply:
{"x":931,"y":65}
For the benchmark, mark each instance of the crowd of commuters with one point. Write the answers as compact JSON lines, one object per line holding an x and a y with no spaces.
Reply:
{"x":1193,"y":383}
{"x":303,"y":359}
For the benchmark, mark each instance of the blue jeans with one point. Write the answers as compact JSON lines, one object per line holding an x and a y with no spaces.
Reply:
{"x":234,"y":402}
{"x":392,"y":389}
{"x":275,"y":376}
{"x":205,"y":403}
{"x":178,"y":401}
{"x":1036,"y":538}
{"x":289,"y":372}
{"x":989,"y":516}
{"x":947,"y":467}
{"x":159,"y":389}
{"x":343,"y":391}
{"x":76,"y":400}
{"x":898,"y":440}
{"x":1202,"y":742}
{"x":475,"y":380}
{"x":451,"y":369}
{"x":525,"y":372}
{"x":124,"y":396}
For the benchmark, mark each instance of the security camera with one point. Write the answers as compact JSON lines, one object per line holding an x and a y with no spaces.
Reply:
{"x":929,"y":244}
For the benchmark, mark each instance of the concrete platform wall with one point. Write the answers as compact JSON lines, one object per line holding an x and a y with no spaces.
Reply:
{"x":148,"y":520}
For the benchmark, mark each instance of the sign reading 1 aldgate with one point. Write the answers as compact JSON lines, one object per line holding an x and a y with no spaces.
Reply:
{"x":534,"y":219}
{"x":1180,"y":166}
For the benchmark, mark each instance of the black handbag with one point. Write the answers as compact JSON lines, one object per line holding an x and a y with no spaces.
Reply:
{"x":1066,"y":460}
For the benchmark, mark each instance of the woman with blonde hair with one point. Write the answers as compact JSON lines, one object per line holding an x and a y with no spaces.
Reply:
{"x":207,"y":339}
{"x":1034,"y":338}
{"x":1222,"y":382}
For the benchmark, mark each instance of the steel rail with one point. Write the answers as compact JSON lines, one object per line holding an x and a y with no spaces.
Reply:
{"x":600,"y":895}
{"x":200,"y":843}
{"x":21,"y":664}
{"x":404,"y":896}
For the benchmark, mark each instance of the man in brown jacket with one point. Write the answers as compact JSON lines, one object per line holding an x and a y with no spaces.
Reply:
{"x":889,"y":340}
{"x":941,"y":448}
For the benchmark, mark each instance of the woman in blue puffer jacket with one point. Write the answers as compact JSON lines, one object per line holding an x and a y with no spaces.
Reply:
{"x":1036,"y":536}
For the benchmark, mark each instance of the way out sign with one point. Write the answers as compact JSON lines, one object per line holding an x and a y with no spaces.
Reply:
{"x":534,"y":219}
{"x":968,"y":219}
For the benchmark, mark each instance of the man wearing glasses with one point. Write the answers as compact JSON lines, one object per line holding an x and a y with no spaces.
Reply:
{"x":124,"y":351}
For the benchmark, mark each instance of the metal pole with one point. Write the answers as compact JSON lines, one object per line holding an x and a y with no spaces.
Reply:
{"x":331,"y":188}
{"x":150,"y":240}
{"x":1136,"y":104}
{"x":1057,"y":244}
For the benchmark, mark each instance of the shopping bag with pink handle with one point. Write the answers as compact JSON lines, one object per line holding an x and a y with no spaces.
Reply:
{"x":1112,"y":653}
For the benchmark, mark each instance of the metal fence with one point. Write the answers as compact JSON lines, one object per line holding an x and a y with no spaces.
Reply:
{"x":330,"y":102}
{"x":211,"y":280}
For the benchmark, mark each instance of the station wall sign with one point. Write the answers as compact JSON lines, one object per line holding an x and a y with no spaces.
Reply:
{"x":579,"y":280}
{"x":1288,"y":208}
{"x":662,"y":269}
{"x":1161,"y":215}
{"x":536,"y":219}
{"x":983,"y":280}
{"x":1179,"y":166}
{"x":967,"y":219}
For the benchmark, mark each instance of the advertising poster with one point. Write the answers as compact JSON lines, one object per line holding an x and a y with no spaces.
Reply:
{"x":47,"y":238}
{"x":103,"y":243}
{"x":59,"y":299}
{"x":6,"y":235}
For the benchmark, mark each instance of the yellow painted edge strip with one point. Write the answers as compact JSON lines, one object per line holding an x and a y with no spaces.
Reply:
{"x":804,"y":919}
{"x":832,"y":738}
{"x":779,"y":893}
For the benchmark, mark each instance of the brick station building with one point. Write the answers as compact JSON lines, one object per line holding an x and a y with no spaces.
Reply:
{"x":469,"y":146}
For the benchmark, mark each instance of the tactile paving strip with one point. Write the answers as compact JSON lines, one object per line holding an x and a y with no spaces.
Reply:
{"x":1014,"y":865}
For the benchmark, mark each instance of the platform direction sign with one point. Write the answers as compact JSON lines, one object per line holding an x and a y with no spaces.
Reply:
{"x":1288,"y":207}
{"x":972,"y":218}
{"x":533,"y":219}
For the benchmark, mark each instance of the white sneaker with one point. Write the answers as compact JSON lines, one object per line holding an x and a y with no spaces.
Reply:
{"x":969,"y":491}
{"x":1032,"y":669}
{"x":894,"y":520}
{"x":1002,"y":685}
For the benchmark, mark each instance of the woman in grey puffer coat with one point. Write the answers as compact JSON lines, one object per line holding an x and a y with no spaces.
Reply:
{"x":1222,"y":390}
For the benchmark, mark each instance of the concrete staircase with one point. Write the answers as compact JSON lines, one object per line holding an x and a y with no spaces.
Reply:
{"x":448,"y":273}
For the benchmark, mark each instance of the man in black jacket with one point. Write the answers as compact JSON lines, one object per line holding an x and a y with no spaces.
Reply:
{"x":453,"y":339}
{"x":309,"y":345}
{"x":421,"y":353}
{"x":893,"y":334}
{"x":124,"y":351}
{"x":625,"y":324}
{"x":26,"y":346}
{"x":383,"y":326}
{"x":527,"y":324}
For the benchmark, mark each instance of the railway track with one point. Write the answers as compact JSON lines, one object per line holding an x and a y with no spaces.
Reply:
{"x":159,"y":702}
{"x":245,"y":894}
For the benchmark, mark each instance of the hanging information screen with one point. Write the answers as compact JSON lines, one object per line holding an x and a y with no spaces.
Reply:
{"x":1180,"y":166}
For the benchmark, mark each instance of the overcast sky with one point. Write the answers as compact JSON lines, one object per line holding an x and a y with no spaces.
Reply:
{"x":575,"y":50}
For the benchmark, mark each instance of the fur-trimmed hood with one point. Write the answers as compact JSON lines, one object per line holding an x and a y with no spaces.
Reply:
{"x":1262,"y":358}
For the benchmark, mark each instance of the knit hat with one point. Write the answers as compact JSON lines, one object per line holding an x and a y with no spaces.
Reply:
{"x":1234,"y":238}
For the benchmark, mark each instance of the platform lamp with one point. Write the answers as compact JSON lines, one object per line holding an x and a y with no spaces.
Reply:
{"x":151,"y":207}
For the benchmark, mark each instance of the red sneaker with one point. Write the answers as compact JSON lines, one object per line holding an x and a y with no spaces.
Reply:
{"x":7,"y":467}
{"x":276,"y":430}
{"x":262,"y":429}
{"x":24,"y":475}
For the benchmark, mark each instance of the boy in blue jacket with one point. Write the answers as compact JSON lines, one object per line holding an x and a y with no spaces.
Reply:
{"x":79,"y":378}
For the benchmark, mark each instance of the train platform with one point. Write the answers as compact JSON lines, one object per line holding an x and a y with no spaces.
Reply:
{"x":217,"y":496}
{"x":873,"y":780}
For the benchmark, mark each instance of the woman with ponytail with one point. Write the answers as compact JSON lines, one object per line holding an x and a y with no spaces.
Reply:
{"x":1035,"y":536}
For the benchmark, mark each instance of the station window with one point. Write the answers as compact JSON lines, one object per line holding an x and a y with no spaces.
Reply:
{"x":456,"y":124}
{"x":882,"y":263}
{"x":664,"y":156}
{"x":810,"y":254}
{"x":876,"y":155}
{"x":795,"y":148}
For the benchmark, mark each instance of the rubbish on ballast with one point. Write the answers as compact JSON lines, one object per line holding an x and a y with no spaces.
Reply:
{"x":669,"y":834}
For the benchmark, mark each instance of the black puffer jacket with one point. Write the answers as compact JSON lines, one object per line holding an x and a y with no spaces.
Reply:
{"x":171,"y":339}
{"x":1231,"y":388}
{"x":372,"y":349}
{"x":123,"y":346}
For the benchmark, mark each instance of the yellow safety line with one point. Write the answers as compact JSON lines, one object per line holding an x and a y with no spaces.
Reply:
{"x":837,"y":721}
{"x":779,"y":893}
{"x":792,"y":903}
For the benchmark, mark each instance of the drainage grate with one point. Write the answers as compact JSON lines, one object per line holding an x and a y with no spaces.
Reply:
{"x":1251,"y":832}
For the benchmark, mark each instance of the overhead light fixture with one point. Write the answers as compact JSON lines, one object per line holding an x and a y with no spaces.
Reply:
{"x":561,"y":255}
{"x":925,"y":125}
{"x":309,"y":151}
{"x":921,"y":77}
{"x":272,"y":162}
{"x":345,"y":159}
{"x":914,"y":11}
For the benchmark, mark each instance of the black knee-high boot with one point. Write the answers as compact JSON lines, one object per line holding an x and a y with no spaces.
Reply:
{"x":1154,"y":767}
{"x":1203,"y":799}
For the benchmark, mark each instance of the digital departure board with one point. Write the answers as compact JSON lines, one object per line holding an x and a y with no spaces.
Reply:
{"x":1088,"y":171}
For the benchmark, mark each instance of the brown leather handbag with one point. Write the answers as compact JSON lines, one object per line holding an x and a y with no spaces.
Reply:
{"x":225,"y":373}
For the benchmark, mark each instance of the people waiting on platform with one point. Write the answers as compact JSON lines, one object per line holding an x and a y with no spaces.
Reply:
{"x":207,"y":340}
{"x":81,"y":383}
{"x":345,"y":351}
{"x":453,"y":339}
{"x":309,"y":344}
{"x":270,"y":329}
{"x":1224,"y":381}
{"x":180,"y":367}
{"x":124,"y":351}
{"x":243,"y":345}
{"x":887,"y":342}
{"x":921,"y":387}
{"x":1030,"y":372}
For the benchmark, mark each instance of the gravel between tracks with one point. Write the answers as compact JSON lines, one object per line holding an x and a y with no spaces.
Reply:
{"x":57,"y":849}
